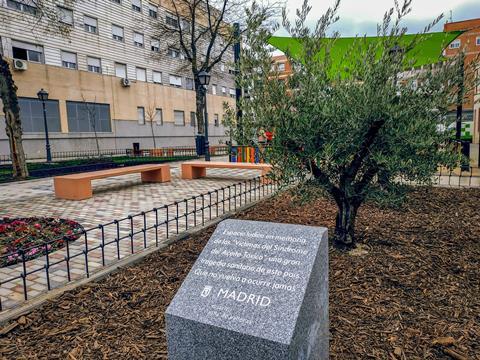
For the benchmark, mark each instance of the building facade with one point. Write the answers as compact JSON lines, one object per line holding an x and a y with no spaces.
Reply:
{"x":469,"y":42}
{"x":110,"y":79}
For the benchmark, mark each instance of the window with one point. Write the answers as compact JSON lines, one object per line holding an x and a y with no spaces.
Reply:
{"x":155,"y":45}
{"x":214,"y":89}
{"x":31,"y":115}
{"x":185,"y":25}
{"x":23,"y":6}
{"x":232,"y":93}
{"x":159,"y":116}
{"x":138,"y":39}
{"x":179,"y":118}
{"x":173,"y":53}
{"x":116,"y":1}
{"x":117,"y":32}
{"x":141,"y":74}
{"x":171,"y":20}
{"x":189,"y":83}
{"x":175,"y":81}
{"x":94,"y":65}
{"x":152,"y":11}
{"x":120,"y":70}
{"x":193,"y":120}
{"x":90,"y":24}
{"x":224,"y":90}
{"x":141,"y":115}
{"x":137,"y":5}
{"x":216,"y":120}
{"x":455,"y":44}
{"x":69,"y":60}
{"x":25,"y":51}
{"x":88,"y":117}
{"x":222,"y":67}
{"x":65,"y":15}
{"x":478,"y":41}
{"x":281,"y":67}
{"x":157,"y":77}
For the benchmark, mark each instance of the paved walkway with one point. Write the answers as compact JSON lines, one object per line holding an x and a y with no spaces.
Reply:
{"x":113,"y":198}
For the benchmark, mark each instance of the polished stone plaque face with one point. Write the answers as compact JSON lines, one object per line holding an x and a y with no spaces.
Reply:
{"x":258,"y":290}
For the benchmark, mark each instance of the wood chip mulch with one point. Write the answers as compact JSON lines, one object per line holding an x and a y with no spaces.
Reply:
{"x":410,"y":291}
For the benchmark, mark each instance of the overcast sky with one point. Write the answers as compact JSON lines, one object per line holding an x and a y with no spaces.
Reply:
{"x":359,"y":17}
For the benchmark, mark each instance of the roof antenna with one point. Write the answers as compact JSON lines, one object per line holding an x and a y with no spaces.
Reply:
{"x":451,"y":16}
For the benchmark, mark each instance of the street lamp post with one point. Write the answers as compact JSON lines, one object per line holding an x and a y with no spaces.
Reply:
{"x":43,"y":96}
{"x":464,"y":145}
{"x":204,"y":80}
{"x":395,"y":54}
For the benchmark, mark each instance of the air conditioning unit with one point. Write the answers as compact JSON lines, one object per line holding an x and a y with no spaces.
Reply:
{"x":125,"y":82}
{"x":20,"y":64}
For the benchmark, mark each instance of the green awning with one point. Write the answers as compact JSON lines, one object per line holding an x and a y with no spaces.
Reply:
{"x":427,"y":51}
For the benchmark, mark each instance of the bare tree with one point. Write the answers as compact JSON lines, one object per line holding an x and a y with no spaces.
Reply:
{"x":151,"y":112}
{"x":42,"y":16}
{"x":13,"y":125}
{"x":203,"y":31}
{"x":92,"y":118}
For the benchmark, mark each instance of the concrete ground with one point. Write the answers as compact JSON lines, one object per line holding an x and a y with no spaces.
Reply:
{"x":114,"y":198}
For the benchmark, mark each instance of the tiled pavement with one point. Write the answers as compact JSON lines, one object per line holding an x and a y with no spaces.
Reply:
{"x":113,"y":198}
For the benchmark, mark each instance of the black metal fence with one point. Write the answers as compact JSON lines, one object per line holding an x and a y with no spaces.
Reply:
{"x":166,"y":152}
{"x":453,"y":178}
{"x":107,"y":243}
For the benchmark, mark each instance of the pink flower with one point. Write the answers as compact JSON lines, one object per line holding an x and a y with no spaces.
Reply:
{"x":32,"y":251}
{"x":12,"y":257}
{"x":37,"y":226}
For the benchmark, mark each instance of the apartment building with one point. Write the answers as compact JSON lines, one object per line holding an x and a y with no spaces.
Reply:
{"x":469,"y":42}
{"x":109,"y":77}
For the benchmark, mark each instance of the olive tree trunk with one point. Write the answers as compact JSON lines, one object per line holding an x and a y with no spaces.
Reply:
{"x":345,"y":224}
{"x":13,"y":124}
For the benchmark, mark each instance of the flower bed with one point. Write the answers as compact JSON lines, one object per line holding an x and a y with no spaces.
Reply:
{"x":35,"y":236}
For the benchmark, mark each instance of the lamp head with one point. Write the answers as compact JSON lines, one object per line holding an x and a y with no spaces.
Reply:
{"x":395,"y":51}
{"x":204,"y":78}
{"x":42,"y":95}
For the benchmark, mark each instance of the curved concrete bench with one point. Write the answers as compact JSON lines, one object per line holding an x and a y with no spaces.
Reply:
{"x":79,"y":186}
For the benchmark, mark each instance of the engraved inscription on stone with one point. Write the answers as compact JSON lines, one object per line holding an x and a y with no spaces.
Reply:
{"x":257,"y":279}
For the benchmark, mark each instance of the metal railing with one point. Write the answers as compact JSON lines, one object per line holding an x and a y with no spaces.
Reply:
{"x":167,"y":152}
{"x":452,"y":178}
{"x":108,"y":243}
{"x":72,"y":154}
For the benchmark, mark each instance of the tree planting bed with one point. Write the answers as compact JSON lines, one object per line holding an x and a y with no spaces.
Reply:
{"x":410,"y":291}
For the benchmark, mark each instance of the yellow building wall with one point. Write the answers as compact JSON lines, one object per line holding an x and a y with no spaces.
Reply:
{"x":74,"y":85}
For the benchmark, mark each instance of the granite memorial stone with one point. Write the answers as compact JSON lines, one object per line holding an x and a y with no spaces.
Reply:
{"x":258,"y":291}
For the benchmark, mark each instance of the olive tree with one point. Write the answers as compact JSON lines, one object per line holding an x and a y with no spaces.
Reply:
{"x":354,"y":128}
